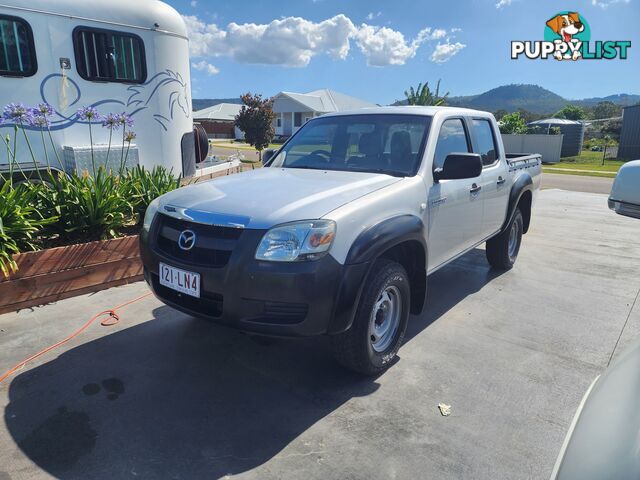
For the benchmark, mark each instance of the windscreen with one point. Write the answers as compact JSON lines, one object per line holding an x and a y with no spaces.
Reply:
{"x":381,"y":143}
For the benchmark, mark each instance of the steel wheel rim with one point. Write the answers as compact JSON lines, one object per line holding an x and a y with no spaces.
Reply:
{"x":513,"y":240}
{"x":385,"y":318}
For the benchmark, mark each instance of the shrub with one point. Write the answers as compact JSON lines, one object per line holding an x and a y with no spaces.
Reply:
{"x":143,"y":186}
{"x":88,"y":208}
{"x":513,"y":123}
{"x":20,"y":220}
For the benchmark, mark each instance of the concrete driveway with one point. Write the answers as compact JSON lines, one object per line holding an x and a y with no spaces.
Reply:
{"x":162,"y":395}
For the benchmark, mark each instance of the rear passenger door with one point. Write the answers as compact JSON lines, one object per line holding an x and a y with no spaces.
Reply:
{"x":455,"y":206}
{"x":494,"y":176}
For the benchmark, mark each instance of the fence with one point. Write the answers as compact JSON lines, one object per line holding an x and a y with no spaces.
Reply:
{"x":549,"y":146}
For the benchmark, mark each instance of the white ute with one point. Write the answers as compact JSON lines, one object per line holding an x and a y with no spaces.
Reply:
{"x":338,"y":235}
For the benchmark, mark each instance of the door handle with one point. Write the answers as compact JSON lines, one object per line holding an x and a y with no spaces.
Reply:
{"x":501,"y":180}
{"x":475,"y":188}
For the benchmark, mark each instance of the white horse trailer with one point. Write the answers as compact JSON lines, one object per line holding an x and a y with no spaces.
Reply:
{"x":117,"y":56}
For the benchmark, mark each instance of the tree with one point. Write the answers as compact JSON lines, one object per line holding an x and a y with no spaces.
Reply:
{"x":424,"y":96}
{"x":500,"y":113}
{"x":255,"y":119}
{"x":571,"y":112}
{"x":607,"y":110}
{"x":513,"y":123}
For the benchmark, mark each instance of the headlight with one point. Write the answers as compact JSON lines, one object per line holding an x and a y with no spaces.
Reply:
{"x":152,"y":209}
{"x":294,"y":242}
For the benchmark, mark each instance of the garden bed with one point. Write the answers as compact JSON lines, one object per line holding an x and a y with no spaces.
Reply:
{"x":49,"y":275}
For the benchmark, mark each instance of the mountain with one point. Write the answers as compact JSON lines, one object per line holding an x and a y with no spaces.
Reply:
{"x":623,"y":99}
{"x":512,"y":97}
{"x":200,"y":103}
{"x":532,"y":98}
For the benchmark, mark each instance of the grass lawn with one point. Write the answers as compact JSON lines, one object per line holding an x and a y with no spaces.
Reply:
{"x":584,"y":174}
{"x":588,"y":160}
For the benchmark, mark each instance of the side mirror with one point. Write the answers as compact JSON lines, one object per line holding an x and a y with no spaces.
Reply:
{"x":458,"y":166}
{"x":625,"y":194}
{"x":267,"y":155}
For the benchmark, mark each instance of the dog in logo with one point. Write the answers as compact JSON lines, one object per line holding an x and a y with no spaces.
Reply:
{"x":566,"y":26}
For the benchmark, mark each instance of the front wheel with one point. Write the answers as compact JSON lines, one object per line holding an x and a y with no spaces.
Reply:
{"x":502,"y":250}
{"x":380,"y":323}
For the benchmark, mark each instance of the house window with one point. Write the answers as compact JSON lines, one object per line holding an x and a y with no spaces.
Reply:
{"x":279,"y":122}
{"x":17,"y":52}
{"x":109,"y":56}
{"x":306,"y":119}
{"x":297,"y":119}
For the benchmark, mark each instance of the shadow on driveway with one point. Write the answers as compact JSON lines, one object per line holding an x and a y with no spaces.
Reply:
{"x":178,"y":397}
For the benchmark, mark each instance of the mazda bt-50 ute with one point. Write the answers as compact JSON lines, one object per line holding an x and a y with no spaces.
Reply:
{"x":337,"y":235}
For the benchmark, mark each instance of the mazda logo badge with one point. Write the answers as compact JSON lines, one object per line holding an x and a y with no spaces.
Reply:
{"x":187,"y":240}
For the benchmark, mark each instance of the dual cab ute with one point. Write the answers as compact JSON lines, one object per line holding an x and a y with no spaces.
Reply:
{"x":338,"y":234}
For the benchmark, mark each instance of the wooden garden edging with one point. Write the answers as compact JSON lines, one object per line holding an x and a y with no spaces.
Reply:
{"x":62,"y":272}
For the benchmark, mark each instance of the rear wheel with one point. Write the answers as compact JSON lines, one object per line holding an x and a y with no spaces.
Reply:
{"x":503,"y":249}
{"x":380,"y":323}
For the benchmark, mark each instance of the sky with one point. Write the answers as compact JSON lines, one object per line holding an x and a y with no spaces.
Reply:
{"x":376,"y":49}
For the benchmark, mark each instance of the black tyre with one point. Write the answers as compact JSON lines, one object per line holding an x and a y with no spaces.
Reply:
{"x":378,"y":329}
{"x":502,"y":250}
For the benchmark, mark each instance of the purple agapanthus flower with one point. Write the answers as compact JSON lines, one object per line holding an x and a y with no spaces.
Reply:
{"x":43,"y":109}
{"x":111,"y":121}
{"x":39,"y":121}
{"x":125,"y":120}
{"x":130,"y":136}
{"x":17,"y":113}
{"x":88,"y":113}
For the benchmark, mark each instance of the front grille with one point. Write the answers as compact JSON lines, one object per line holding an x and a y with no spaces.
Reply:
{"x":213,"y":246}
{"x":209,"y":304}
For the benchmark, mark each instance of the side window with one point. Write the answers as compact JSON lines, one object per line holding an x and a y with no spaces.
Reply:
{"x":487,"y":147}
{"x":451,"y":139}
{"x":109,"y":56}
{"x":17,"y":52}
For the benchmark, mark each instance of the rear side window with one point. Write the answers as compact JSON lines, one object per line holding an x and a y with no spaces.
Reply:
{"x":109,"y":56}
{"x":486,"y":141}
{"x":17,"y":52}
{"x":451,"y":139}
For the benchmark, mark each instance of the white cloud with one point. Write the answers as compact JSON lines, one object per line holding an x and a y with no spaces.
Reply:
{"x":372,"y":15}
{"x":607,"y":3}
{"x":444,"y":51}
{"x":503,"y":3}
{"x":384,"y":46}
{"x":205,"y":66}
{"x":294,"y":41}
{"x":290,"y":41}
{"x":194,"y":3}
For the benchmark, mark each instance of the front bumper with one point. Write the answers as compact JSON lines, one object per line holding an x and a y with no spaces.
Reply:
{"x":271,"y":298}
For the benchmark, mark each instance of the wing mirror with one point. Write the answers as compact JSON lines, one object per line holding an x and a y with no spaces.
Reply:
{"x":458,"y":166}
{"x":625,"y":194}
{"x":267,"y":155}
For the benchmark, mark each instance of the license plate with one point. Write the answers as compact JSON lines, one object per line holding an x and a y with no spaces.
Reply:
{"x":180,"y":280}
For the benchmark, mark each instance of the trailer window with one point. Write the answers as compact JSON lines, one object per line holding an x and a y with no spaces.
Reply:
{"x":109,"y":56}
{"x":17,"y":53}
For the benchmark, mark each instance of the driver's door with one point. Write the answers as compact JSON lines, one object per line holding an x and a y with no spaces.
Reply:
{"x":454,"y":206}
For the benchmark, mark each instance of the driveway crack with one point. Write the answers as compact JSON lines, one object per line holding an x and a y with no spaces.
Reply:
{"x":624,"y":326}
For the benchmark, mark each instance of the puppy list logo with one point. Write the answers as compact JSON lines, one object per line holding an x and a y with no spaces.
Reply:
{"x":567,"y":36}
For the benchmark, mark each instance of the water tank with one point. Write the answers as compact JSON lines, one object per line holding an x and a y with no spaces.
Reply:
{"x":630,"y":135}
{"x":572,"y":130}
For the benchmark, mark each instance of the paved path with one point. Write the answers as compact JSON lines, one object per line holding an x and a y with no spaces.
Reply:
{"x":577,"y":183}
{"x":162,"y":395}
{"x":554,"y":169}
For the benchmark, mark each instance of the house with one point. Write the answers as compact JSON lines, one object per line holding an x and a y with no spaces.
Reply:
{"x":294,"y":109}
{"x":219,"y":120}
